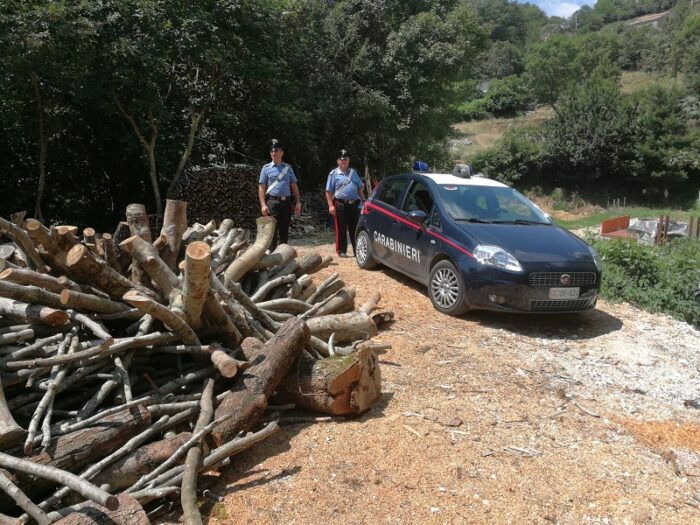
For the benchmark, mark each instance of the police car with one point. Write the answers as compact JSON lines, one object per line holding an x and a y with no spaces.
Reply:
{"x":476,"y":244}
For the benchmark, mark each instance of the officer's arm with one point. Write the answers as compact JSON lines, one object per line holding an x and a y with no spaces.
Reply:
{"x":261,"y":198}
{"x":297,"y":197}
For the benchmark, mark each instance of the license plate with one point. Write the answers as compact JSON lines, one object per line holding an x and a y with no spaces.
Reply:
{"x":564,"y":293}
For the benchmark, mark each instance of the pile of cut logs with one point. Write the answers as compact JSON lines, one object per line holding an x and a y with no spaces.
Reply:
{"x":129,"y":370}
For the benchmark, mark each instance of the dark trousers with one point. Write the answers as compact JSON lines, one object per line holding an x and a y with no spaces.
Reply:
{"x":346,"y":217}
{"x":282,"y":212}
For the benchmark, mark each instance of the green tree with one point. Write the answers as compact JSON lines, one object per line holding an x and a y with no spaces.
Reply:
{"x":586,"y":141}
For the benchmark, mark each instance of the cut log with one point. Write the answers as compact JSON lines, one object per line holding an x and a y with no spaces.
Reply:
{"x":249,"y":258}
{"x":89,"y":236}
{"x":93,"y":303}
{"x":137,"y":219}
{"x":174,"y":225}
{"x":25,"y":243}
{"x":147,"y":257}
{"x":89,"y":268}
{"x":163,"y":314}
{"x":129,"y":512}
{"x":29,"y":294}
{"x":125,"y":472}
{"x":74,"y":451}
{"x":347,"y":327}
{"x":244,"y":405}
{"x":341,"y":302}
{"x":10,"y":432}
{"x":110,"y":253}
{"x":336,"y":385}
{"x":32,"y":312}
{"x":32,"y":278}
{"x":65,"y":236}
{"x":196,"y":282}
{"x":281,"y":256}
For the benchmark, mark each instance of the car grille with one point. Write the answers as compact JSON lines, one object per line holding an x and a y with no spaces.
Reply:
{"x":567,"y":304}
{"x":554,"y":278}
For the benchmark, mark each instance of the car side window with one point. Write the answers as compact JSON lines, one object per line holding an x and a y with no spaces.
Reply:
{"x":391,"y":191}
{"x":435,"y":219}
{"x":418,"y":198}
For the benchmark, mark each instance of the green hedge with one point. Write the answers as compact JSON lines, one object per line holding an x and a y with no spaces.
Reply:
{"x":654,"y":278}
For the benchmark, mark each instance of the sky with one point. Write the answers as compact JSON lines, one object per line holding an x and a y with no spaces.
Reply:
{"x":562,"y":8}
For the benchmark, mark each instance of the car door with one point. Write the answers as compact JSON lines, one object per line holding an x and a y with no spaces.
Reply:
{"x":412,"y":240}
{"x":382,"y":216}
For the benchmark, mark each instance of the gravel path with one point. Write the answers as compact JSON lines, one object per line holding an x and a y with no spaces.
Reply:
{"x":492,"y":418}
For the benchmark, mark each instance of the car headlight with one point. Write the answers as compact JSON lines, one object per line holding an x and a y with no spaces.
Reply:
{"x":497,"y":257}
{"x":596,"y":258}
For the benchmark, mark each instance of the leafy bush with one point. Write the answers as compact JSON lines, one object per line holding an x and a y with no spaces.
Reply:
{"x":507,"y":97}
{"x":474,"y":110}
{"x":515,"y":155}
{"x":655,"y":278}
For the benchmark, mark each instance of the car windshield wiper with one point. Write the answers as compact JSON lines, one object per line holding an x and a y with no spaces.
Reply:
{"x":519,"y":221}
{"x":473,"y":219}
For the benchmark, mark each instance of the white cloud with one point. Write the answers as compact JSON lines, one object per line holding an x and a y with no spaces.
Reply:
{"x":559,"y":7}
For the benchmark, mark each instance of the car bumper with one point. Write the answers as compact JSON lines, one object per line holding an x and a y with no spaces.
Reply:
{"x":499,"y":291}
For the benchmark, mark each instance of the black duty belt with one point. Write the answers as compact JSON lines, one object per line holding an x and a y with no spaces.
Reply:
{"x":346,"y":201}
{"x":278,"y":198}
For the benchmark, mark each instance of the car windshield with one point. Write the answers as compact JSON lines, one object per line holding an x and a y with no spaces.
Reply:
{"x":488,"y":204}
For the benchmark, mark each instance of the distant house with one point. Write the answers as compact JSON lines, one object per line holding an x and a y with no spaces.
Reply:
{"x":648,"y":20}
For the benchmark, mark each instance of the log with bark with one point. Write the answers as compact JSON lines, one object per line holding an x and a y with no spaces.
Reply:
{"x":137,"y":384}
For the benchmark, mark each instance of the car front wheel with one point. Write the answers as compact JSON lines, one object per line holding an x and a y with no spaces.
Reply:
{"x":446,"y":289}
{"x":363,"y":251}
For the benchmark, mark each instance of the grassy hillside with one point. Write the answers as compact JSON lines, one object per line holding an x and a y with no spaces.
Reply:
{"x":483,"y":134}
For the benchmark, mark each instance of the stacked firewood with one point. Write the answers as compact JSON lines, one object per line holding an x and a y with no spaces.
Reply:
{"x":122,"y":384}
{"x":220,"y":192}
{"x":314,"y":215}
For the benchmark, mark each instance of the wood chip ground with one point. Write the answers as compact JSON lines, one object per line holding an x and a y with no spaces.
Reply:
{"x":492,"y":418}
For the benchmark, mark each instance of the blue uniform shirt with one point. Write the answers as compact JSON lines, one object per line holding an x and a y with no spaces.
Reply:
{"x":341,"y":188}
{"x":269,"y":174}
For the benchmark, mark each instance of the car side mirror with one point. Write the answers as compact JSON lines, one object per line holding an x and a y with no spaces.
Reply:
{"x":417,"y":216}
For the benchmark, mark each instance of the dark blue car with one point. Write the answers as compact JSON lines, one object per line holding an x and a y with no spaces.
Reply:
{"x":476,"y":243}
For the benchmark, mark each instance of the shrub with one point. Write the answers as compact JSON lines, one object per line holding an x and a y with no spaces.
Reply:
{"x":515,"y":155}
{"x":507,"y":97}
{"x":655,"y":278}
{"x":474,"y":110}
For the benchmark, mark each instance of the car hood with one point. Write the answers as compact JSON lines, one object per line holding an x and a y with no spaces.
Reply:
{"x":532,"y":243}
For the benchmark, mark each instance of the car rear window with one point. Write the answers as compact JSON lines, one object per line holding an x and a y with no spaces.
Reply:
{"x":391,"y":191}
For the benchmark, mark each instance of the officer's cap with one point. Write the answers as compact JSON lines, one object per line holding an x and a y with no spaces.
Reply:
{"x":343,"y":153}
{"x":276,"y":144}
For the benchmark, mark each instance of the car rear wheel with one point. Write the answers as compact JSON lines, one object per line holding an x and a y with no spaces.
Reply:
{"x":363,"y":251}
{"x":446,"y":289}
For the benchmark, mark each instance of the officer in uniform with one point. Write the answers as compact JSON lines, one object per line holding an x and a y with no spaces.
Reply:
{"x":344,"y":192}
{"x":276,"y":185}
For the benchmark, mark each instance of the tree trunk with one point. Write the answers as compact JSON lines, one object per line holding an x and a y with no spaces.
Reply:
{"x":336,"y":385}
{"x":41,"y":139}
{"x":245,"y":403}
{"x":74,"y":451}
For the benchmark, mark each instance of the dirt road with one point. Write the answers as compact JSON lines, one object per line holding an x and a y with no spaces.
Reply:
{"x":493,"y":419}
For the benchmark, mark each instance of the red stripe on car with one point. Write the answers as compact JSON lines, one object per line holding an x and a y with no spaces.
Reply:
{"x":417,"y":228}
